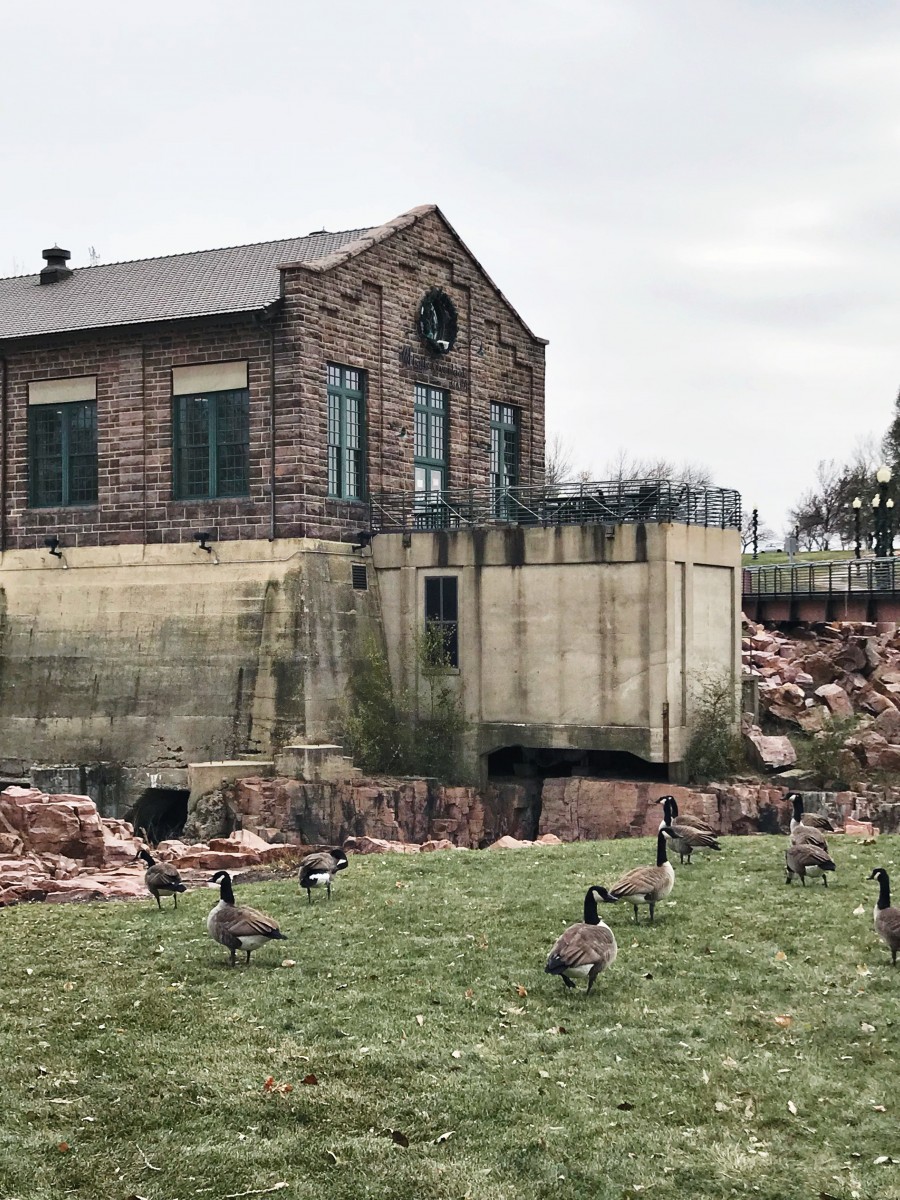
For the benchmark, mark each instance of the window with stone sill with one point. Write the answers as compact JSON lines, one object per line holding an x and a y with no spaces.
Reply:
{"x":346,"y":432}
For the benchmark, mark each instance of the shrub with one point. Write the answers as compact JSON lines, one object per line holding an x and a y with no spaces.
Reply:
{"x":374,"y":719}
{"x":715,"y":749}
{"x":825,"y":755}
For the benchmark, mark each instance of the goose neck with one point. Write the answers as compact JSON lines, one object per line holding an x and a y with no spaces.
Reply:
{"x":884,"y":890}
{"x":590,"y":908}
{"x":661,"y":856}
{"x":226,"y":891}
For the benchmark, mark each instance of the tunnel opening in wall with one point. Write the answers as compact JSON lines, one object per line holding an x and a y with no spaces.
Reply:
{"x":160,"y":813}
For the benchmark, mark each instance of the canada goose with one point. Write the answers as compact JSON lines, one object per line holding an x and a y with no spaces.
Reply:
{"x":887,"y":919}
{"x":803,"y":859}
{"x":320,"y":868}
{"x":583,"y":949}
{"x":162,"y":879}
{"x":686,"y":818}
{"x":805,"y":835}
{"x":810,"y":820}
{"x":645,"y":885}
{"x":687,"y":839}
{"x":238,"y":927}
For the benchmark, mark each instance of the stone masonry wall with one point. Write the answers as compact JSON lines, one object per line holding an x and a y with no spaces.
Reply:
{"x":359,"y":313}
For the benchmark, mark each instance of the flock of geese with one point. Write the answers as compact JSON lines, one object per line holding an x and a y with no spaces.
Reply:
{"x":588,"y":948}
{"x":238,"y":926}
{"x":585,"y":949}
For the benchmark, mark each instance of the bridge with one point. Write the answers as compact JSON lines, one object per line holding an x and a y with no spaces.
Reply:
{"x":848,"y":589}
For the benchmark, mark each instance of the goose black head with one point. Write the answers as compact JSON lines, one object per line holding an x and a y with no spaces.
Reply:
{"x":146,"y":856}
{"x":340,"y":858}
{"x":878,"y":873}
{"x":220,"y":877}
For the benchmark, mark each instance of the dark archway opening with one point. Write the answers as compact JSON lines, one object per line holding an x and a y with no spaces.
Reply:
{"x":160,"y":813}
{"x":530,"y":762}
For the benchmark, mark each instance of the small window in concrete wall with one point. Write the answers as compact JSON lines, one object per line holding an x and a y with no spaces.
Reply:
{"x":442,"y":614}
{"x":160,"y":813}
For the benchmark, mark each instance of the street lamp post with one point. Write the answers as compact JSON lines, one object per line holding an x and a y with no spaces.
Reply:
{"x":754,"y":528}
{"x":882,"y":511}
{"x":857,"y":534}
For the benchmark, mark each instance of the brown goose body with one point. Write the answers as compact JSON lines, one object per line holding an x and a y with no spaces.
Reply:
{"x":584,"y":949}
{"x":686,"y":838}
{"x":162,"y":879}
{"x":886,"y":918}
{"x":319,"y":869}
{"x":687,"y":818}
{"x":239,"y":927}
{"x":810,"y":820}
{"x":807,"y":836}
{"x":644,"y":885}
{"x":805,"y":859}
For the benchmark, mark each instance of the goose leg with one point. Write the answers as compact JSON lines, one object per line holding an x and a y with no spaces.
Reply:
{"x":248,"y":959}
{"x":635,"y":914}
{"x":825,"y":880}
{"x":175,"y":894}
{"x":567,"y":981}
{"x":309,"y":896}
{"x":328,"y":888}
{"x":652,"y":908}
{"x":232,"y":958}
{"x":158,"y":905}
{"x":592,"y":975}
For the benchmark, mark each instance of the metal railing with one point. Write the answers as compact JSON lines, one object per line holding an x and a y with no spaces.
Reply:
{"x":620,"y":502}
{"x":823,"y":578}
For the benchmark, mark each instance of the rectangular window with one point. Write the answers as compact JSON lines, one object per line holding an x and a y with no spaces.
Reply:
{"x":346,"y":432}
{"x":504,"y":455}
{"x":212,"y":445}
{"x":442,"y":615}
{"x":430,"y":441}
{"x":62,"y":440}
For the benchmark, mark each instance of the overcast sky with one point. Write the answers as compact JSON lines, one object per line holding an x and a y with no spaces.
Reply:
{"x":697,"y":202}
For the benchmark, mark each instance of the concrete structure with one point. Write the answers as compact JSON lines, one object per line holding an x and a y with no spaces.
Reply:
{"x":584,"y":638}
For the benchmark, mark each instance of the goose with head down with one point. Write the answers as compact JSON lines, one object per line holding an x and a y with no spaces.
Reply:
{"x":686,"y":818}
{"x":687,"y":838}
{"x":319,"y":868}
{"x":802,"y":858}
{"x":584,"y":949}
{"x":162,"y":879}
{"x":645,"y":885}
{"x":238,"y":927}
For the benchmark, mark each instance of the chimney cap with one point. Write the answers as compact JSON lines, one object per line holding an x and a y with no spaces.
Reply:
{"x":55,"y":268}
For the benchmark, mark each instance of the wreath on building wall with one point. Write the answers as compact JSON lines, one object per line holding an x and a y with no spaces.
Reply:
{"x":438,"y":323}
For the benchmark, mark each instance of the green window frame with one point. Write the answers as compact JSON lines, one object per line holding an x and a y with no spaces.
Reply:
{"x":62,"y":454}
{"x":430,"y":412}
{"x":211,"y":445}
{"x":346,"y":432}
{"x":442,"y":613}
{"x":504,"y":446}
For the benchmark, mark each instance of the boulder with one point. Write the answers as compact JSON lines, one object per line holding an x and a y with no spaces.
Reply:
{"x":836,"y":699}
{"x":889,"y":759}
{"x":875,"y":702}
{"x":373,"y":845}
{"x":436,"y":844}
{"x":887,"y":723}
{"x":769,"y":753}
{"x":548,"y":839}
{"x":509,"y":843}
{"x":820,"y":667}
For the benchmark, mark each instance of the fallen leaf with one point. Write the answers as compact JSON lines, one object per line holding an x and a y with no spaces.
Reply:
{"x":444,"y":1136}
{"x":784,"y":1021}
{"x":455,"y":1054}
{"x":309,"y":1079}
{"x":866,"y":1027}
{"x":780,"y":956}
{"x":705,"y":1076}
{"x":399,"y":1138}
{"x":521,"y":991}
{"x":420,"y":1020}
{"x":288,"y":962}
{"x":792,"y":1107}
{"x":269,"y":1084}
{"x":878,"y":1108}
{"x":625,"y":1106}
{"x":469,"y":993}
{"x":862,"y":969}
{"x":858,"y":912}
{"x":544,"y":1074}
{"x":63,"y":1147}
{"x":331,"y":1158}
{"x":878,"y":1162}
{"x":68,"y":986}
{"x":721,"y":1107}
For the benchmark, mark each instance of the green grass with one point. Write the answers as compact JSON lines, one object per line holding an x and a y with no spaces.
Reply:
{"x":778,"y":557}
{"x":128,"y":1044}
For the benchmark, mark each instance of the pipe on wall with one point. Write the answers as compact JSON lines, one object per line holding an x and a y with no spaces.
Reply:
{"x":271,"y":430}
{"x":4,"y":438}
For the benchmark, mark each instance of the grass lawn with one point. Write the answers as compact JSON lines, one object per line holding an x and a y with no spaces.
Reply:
{"x":744,"y":1045}
{"x":769,"y":558}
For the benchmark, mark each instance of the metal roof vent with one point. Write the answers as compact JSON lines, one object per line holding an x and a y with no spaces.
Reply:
{"x":359,"y":576}
{"x":56,"y":268}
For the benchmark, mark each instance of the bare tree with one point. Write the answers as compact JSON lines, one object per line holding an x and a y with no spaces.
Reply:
{"x":559,"y":468}
{"x":764,"y":534}
{"x":625,"y":465}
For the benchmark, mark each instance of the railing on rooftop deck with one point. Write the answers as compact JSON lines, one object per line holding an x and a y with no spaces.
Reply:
{"x":823,"y":578}
{"x":620,"y":502}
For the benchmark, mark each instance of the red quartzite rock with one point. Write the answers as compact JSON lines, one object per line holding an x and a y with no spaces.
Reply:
{"x":836,"y":699}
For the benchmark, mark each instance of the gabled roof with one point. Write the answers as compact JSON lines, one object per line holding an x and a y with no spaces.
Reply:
{"x":202,"y":283}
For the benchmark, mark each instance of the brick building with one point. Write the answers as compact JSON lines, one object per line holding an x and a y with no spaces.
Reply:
{"x":259,"y":391}
{"x":221,"y":471}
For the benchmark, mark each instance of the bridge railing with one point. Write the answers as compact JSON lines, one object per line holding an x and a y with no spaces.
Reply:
{"x":823,"y":578}
{"x":612,"y":503}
